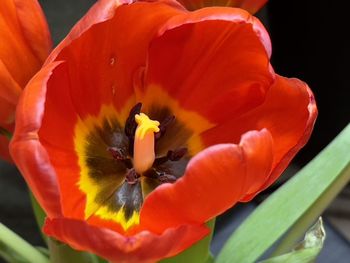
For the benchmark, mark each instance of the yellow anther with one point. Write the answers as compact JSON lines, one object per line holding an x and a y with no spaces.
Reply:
{"x":144,"y":155}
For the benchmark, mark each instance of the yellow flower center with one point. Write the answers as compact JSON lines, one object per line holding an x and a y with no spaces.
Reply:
{"x":144,"y":155}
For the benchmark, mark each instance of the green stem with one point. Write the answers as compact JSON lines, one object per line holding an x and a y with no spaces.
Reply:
{"x":199,"y":252}
{"x":60,"y":253}
{"x":20,"y":247}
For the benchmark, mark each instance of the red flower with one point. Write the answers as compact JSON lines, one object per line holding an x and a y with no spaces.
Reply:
{"x":25,"y":44}
{"x":252,"y":6}
{"x":216,"y":126}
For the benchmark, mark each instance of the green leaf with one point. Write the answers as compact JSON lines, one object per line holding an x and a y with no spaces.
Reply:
{"x":101,"y":260}
{"x":308,"y":250}
{"x":295,"y":205}
{"x":38,"y":213}
{"x":43,"y":250}
{"x":198,"y":253}
{"x":14,"y":249}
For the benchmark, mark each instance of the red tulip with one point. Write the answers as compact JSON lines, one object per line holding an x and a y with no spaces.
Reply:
{"x":252,"y":6}
{"x":149,"y":120}
{"x":25,"y":44}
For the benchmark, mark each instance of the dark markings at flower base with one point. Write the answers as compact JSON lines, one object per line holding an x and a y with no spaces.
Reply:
{"x":109,"y":160}
{"x":128,"y":196}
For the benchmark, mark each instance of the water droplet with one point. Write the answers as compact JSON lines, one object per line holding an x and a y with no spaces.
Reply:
{"x":113,"y":90}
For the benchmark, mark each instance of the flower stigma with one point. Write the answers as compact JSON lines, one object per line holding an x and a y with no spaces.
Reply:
{"x":144,"y":154}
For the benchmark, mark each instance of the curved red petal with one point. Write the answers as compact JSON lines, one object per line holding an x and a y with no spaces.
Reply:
{"x":234,"y":15}
{"x":101,"y":11}
{"x":25,"y":44}
{"x":27,"y":152}
{"x":252,"y":6}
{"x":111,"y":45}
{"x":56,"y":135}
{"x":7,"y":112}
{"x":34,"y":27}
{"x":143,"y":247}
{"x":25,"y":40}
{"x":289,"y":113}
{"x":230,"y":68}
{"x":9,"y":89}
{"x":9,"y":94}
{"x":301,"y":100}
{"x":215,"y":179}
{"x":102,"y":56}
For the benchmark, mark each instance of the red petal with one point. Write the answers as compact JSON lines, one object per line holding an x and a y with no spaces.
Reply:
{"x":289,"y":113}
{"x":29,"y":155}
{"x":34,"y":27}
{"x":25,"y":44}
{"x":143,"y":247}
{"x":303,"y":100}
{"x":9,"y":89}
{"x":104,"y":56}
{"x":9,"y":94}
{"x":252,"y":6}
{"x":101,"y":11}
{"x":56,"y":134}
{"x":25,"y":39}
{"x":215,"y":179}
{"x":210,"y":59}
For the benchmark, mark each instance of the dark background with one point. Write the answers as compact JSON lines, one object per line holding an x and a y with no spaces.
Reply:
{"x":310,"y":40}
{"x":306,"y":44}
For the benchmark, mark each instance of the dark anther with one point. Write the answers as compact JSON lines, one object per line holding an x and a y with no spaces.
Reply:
{"x":162,"y":176}
{"x":163,"y":126}
{"x":131,"y":125}
{"x":166,"y":178}
{"x":176,"y":154}
{"x":119,"y":155}
{"x":173,"y":156}
{"x":160,"y":160}
{"x":151,"y":173}
{"x":132,"y":177}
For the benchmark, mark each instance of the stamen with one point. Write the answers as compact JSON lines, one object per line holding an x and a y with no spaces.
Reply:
{"x":173,"y":156}
{"x":144,"y":155}
{"x":119,"y":155}
{"x":166,"y":178}
{"x":164,"y":125}
{"x":176,"y":155}
{"x":131,"y":125}
{"x":131,"y":176}
{"x":162,"y":176}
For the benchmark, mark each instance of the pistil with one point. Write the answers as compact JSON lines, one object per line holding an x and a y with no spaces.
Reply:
{"x":144,"y":154}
